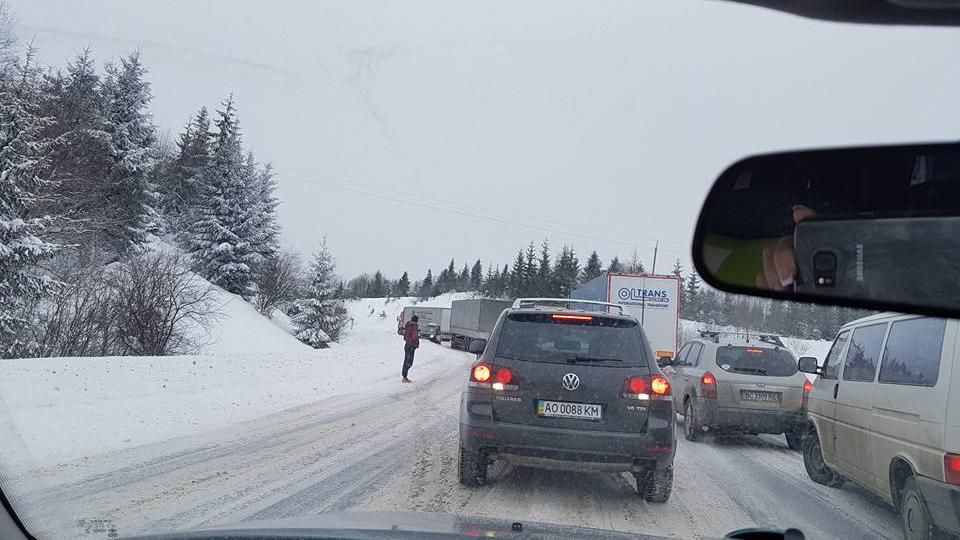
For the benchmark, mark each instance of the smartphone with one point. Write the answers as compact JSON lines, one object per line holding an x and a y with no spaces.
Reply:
{"x":913,"y":260}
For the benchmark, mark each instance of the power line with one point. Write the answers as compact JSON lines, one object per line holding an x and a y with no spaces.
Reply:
{"x":464,"y":213}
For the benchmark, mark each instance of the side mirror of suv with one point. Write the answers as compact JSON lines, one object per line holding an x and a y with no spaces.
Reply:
{"x":476,"y":346}
{"x":808,"y":364}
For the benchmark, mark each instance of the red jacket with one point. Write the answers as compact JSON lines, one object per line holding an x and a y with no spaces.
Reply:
{"x":411,"y":334}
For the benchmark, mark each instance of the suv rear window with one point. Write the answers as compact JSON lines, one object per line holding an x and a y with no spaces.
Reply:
{"x":756,"y":361}
{"x":547,"y":337}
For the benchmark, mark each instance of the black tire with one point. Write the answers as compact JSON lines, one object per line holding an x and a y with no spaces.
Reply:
{"x":472,"y":468}
{"x":794,"y":439}
{"x":692,"y":430}
{"x":817,"y":469}
{"x":655,"y":486}
{"x":914,"y":517}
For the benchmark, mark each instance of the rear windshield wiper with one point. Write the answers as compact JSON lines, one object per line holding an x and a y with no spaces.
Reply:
{"x":578,"y":359}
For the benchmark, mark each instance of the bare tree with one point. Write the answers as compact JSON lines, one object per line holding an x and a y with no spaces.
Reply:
{"x":158,"y":300}
{"x":279,"y":282}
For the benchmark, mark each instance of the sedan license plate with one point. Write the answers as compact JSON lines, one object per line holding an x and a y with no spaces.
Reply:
{"x":563,"y":409}
{"x":753,"y":395}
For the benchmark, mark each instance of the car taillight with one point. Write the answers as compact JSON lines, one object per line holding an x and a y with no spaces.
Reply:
{"x":480,"y":373}
{"x":951,"y":469}
{"x":660,"y":386}
{"x":492,"y":376}
{"x":807,"y":388}
{"x":708,"y":386}
{"x":646,"y":387}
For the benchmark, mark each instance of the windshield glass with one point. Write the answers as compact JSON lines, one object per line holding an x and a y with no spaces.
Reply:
{"x":219,"y":220}
{"x":597,"y":340}
{"x":756,"y":361}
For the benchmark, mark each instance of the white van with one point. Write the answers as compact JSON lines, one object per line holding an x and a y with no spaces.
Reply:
{"x":885,"y":413}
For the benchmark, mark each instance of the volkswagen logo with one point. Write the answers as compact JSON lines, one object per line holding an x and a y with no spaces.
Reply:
{"x":570,"y":381}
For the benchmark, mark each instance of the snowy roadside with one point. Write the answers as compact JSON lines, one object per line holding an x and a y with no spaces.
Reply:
{"x":58,"y":409}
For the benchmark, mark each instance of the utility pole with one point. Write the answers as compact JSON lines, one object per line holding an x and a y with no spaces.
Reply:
{"x":653,"y":270}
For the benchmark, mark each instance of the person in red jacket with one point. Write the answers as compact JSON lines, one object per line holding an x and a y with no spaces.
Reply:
{"x":411,"y":340}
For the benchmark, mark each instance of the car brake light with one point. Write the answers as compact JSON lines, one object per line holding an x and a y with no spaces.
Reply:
{"x":660,"y":386}
{"x":492,"y":376}
{"x":578,"y":318}
{"x":951,"y":469}
{"x":753,"y":351}
{"x":636,"y":385}
{"x":708,"y":386}
{"x":807,"y":387}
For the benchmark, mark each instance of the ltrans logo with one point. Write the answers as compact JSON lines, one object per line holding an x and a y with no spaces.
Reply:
{"x":640,"y":295}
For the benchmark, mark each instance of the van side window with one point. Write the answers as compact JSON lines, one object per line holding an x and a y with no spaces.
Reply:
{"x":831,"y":366}
{"x":863,"y":353}
{"x":912,"y":354}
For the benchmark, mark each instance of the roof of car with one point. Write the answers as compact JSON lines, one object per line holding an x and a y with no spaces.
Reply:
{"x":874,"y":318}
{"x":560,"y":311}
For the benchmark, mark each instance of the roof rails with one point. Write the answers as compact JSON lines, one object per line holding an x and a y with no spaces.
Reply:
{"x":765,"y":338}
{"x":521,"y":303}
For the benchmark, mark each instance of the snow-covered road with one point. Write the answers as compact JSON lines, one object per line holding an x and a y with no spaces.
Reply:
{"x":395,"y":450}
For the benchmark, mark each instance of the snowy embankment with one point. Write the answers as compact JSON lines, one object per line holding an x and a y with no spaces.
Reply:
{"x":53,"y":410}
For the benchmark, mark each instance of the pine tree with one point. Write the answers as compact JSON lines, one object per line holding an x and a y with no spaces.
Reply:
{"x":219,"y":240}
{"x":264,"y":231}
{"x":544,"y":283}
{"x":678,"y":273}
{"x":184,"y":183}
{"x":488,"y":288}
{"x":126,"y":190}
{"x":616,"y":267}
{"x":377,"y":288}
{"x":593,"y":268}
{"x":476,"y":276}
{"x":426,"y":286}
{"x":463,"y":279}
{"x":635,"y":266}
{"x":403,"y":285}
{"x":530,"y":266}
{"x":23,"y":157}
{"x":518,"y":276}
{"x":506,"y":279}
{"x":320,"y":316}
{"x":566,"y":272}
{"x":692,"y":288}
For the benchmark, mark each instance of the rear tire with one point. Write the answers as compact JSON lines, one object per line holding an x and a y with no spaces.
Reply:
{"x":794,"y":439}
{"x":691,"y":428}
{"x":817,"y":469}
{"x":655,"y":486}
{"x":914,"y":517}
{"x":472,"y":468}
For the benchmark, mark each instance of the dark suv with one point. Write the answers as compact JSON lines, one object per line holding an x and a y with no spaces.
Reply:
{"x":560,"y":387}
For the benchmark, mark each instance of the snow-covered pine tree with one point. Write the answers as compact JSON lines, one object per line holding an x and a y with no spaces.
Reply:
{"x":426,"y":286}
{"x":23,"y":155}
{"x":320,"y":316}
{"x":264,"y":230}
{"x":126,"y":190}
{"x":184,"y":183}
{"x":616,"y":267}
{"x":476,"y":276}
{"x":544,"y":282}
{"x":219,"y":239}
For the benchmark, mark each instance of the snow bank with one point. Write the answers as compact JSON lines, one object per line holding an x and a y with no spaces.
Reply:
{"x":58,"y":409}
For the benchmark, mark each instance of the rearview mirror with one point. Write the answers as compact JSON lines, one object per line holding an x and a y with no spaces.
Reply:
{"x":808,"y":364}
{"x":873,"y":227}
{"x":477,"y":346}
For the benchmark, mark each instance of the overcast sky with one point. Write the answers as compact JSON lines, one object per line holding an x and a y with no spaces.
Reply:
{"x":412,"y":132}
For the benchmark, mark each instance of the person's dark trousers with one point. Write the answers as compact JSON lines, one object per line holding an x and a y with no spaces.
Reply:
{"x":407,"y":359}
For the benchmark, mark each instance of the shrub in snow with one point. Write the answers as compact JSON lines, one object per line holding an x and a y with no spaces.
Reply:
{"x":320,"y":316}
